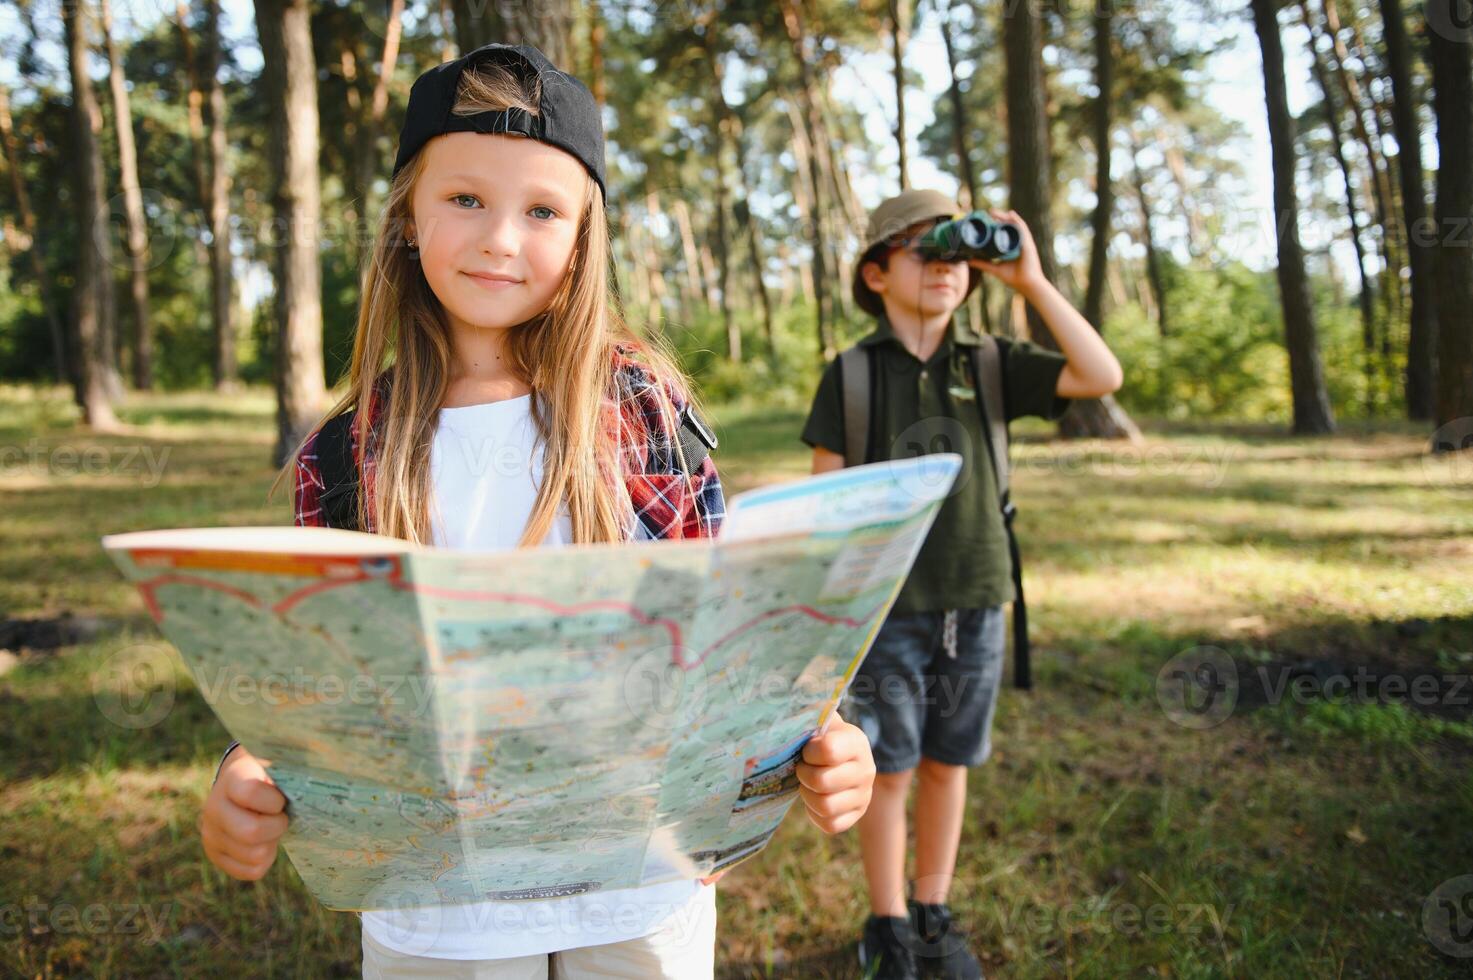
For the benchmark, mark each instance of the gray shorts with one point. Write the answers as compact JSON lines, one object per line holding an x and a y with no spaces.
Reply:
{"x":912,"y":699}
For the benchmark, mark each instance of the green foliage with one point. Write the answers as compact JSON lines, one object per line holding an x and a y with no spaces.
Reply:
{"x":1224,"y":356}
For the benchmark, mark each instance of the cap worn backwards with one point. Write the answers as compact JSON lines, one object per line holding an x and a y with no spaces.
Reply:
{"x":567,"y":115}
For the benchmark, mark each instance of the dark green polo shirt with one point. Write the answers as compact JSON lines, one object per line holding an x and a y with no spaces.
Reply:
{"x":921,"y":408}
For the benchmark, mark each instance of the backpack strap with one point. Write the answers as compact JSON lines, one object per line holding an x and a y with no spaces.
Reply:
{"x":696,"y":440}
{"x":339,"y":498}
{"x":854,"y":382}
{"x":988,"y":377}
{"x":987,"y":367}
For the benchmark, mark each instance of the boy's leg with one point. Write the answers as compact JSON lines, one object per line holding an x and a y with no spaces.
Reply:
{"x":941,"y":802}
{"x":885,"y":702}
{"x":962,"y":698}
{"x":882,"y":843}
{"x":683,"y":948}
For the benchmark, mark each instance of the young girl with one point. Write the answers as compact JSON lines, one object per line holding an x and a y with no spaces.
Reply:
{"x":489,"y":287}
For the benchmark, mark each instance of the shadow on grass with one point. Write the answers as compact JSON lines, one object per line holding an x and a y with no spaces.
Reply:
{"x":830,"y":964}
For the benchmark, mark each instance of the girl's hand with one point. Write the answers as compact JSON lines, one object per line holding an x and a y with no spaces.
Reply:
{"x":836,"y":777}
{"x":243,"y":818}
{"x":1023,"y":273}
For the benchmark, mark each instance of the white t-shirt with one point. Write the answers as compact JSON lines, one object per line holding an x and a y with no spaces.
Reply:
{"x":485,"y":468}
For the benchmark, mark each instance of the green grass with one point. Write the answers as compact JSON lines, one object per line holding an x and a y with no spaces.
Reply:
{"x":1298,"y":838}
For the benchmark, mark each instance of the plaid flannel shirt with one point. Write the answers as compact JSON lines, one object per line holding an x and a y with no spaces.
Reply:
{"x":666,"y":504}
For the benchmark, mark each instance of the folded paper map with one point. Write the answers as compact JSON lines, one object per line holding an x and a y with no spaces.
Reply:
{"x":536,"y":723}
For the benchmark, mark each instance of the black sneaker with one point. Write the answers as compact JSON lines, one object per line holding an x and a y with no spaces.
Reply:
{"x":942,"y":951}
{"x":887,"y":951}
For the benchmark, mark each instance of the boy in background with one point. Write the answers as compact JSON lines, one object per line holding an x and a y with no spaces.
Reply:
{"x":926,"y":692}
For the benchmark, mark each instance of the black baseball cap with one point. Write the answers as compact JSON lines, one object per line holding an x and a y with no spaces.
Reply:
{"x":567,"y":116}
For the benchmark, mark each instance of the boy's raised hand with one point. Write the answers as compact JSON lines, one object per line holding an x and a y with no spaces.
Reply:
{"x":836,"y":776}
{"x":1026,"y":270}
{"x":243,"y":818}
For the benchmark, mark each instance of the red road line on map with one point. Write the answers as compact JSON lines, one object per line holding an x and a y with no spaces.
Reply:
{"x":316,"y":587}
{"x":671,"y":627}
{"x":153,"y":605}
{"x":807,"y":610}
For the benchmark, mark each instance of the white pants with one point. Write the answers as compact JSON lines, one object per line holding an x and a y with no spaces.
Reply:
{"x":658,"y":955}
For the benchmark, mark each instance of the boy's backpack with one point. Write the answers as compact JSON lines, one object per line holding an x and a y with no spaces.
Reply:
{"x":339,"y":498}
{"x":856,"y":381}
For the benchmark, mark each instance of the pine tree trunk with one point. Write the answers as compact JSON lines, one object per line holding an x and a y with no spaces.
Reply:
{"x":92,"y":393}
{"x":1367,"y":297}
{"x":368,"y":126}
{"x":222,"y":305}
{"x":1099,"y":251}
{"x":546,"y":25}
{"x":1422,"y":336}
{"x":54,"y":326}
{"x":806,"y":130}
{"x":290,"y":84}
{"x":899,"y":11}
{"x":1030,"y":170}
{"x":1382,"y":195}
{"x":720,"y":134}
{"x":136,"y":238}
{"x":1452,"y":79}
{"x":1100,"y":418}
{"x":980,"y":306}
{"x":1312,"y":413}
{"x":1155,"y":276}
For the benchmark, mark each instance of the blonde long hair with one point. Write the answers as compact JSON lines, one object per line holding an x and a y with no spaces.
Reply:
{"x":566,"y":354}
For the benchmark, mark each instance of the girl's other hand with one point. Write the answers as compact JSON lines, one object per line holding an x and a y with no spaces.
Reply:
{"x":1024,"y":272}
{"x":836,"y":776}
{"x":243,"y":819}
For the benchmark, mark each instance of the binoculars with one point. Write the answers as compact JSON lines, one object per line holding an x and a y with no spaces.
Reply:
{"x":974,"y":236}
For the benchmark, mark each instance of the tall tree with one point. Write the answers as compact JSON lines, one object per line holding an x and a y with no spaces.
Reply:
{"x":222,"y":303}
{"x":1155,"y":276}
{"x":211,"y":176}
{"x":1366,"y":296}
{"x":289,"y":77}
{"x":979,"y":306}
{"x":1422,"y":338}
{"x":136,"y":238}
{"x":1312,"y":412}
{"x":808,"y":129}
{"x":1449,"y":49}
{"x":1030,"y":178}
{"x":546,"y":25}
{"x":33,"y":238}
{"x":1099,"y":251}
{"x":900,"y":17}
{"x":1358,"y":106}
{"x":1030,"y":169}
{"x":88,"y":297}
